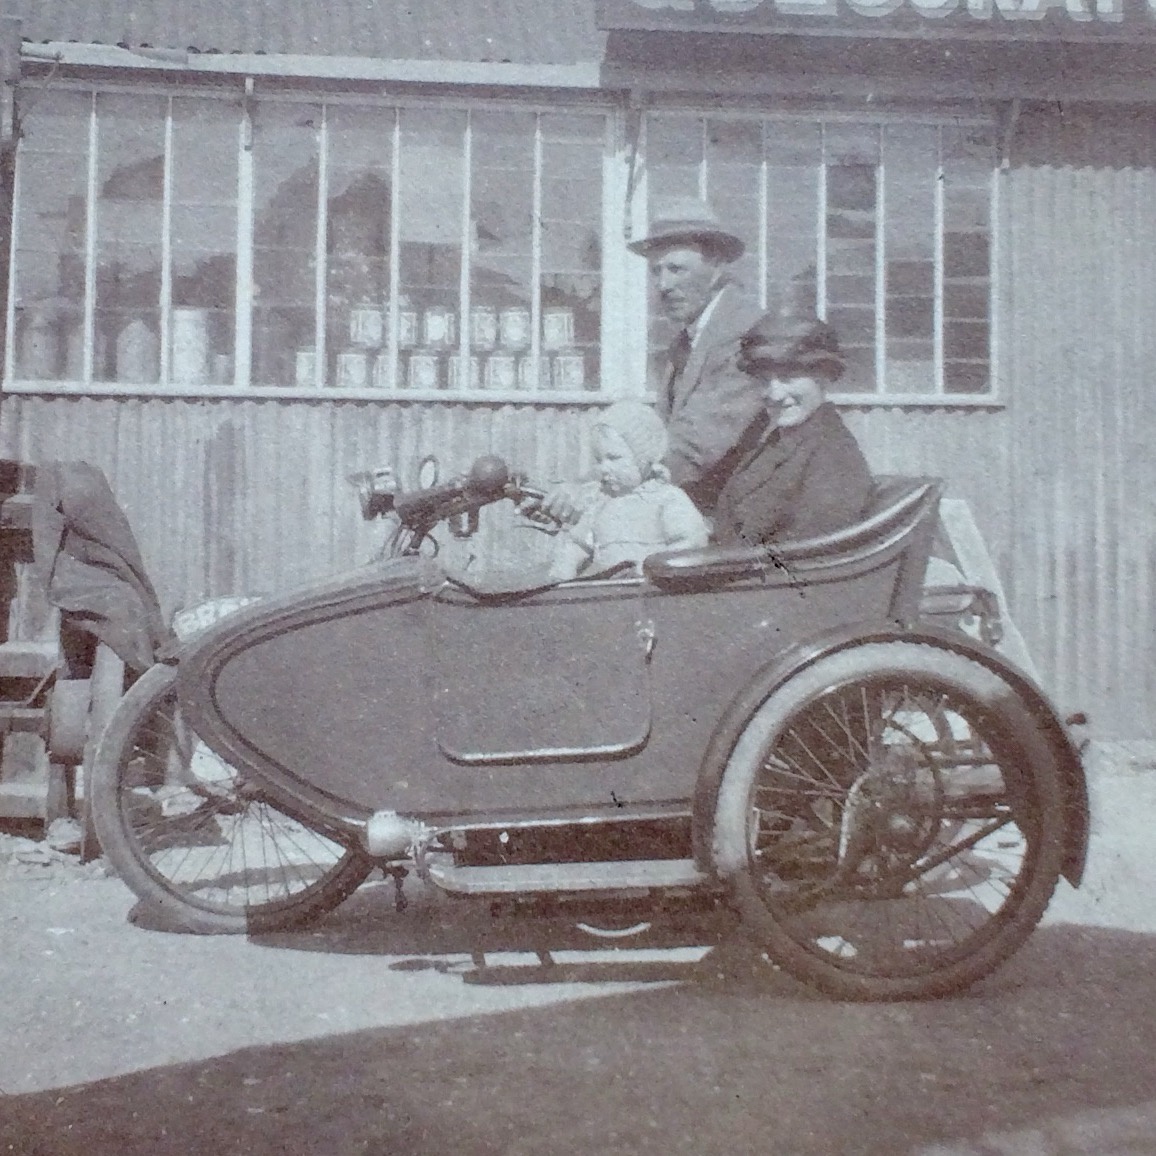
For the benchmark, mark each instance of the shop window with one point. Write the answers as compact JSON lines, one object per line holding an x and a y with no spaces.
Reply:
{"x":883,"y":229}
{"x":200,"y":243}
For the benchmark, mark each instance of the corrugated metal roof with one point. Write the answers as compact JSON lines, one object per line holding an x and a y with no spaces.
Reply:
{"x":519,"y":31}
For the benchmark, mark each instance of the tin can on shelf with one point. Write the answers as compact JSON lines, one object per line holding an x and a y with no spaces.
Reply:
{"x":407,"y":329}
{"x":569,"y":371}
{"x":483,"y":327}
{"x":381,"y":370}
{"x":557,"y":328}
{"x":366,"y":326}
{"x":352,"y":369}
{"x":501,"y":371}
{"x":527,"y":379}
{"x":305,"y":369}
{"x":424,"y":370}
{"x":514,"y":328}
{"x":457,"y":379}
{"x":190,"y":353}
{"x":439,"y":328}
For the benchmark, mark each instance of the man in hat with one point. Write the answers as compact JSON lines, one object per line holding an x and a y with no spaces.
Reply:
{"x":704,"y":398}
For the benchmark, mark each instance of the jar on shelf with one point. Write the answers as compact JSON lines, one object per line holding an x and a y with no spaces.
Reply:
{"x":514,"y":328}
{"x":483,"y":328}
{"x":459,"y":380}
{"x":352,"y":369}
{"x":439,"y":328}
{"x":557,"y":328}
{"x":366,"y":325}
{"x":569,"y":370}
{"x":501,"y":371}
{"x":424,"y":369}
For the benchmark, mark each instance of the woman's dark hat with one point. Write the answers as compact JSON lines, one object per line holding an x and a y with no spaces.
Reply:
{"x":793,"y":345}
{"x":687,"y":221}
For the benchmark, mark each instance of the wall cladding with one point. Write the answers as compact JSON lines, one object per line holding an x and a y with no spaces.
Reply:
{"x":241,"y":496}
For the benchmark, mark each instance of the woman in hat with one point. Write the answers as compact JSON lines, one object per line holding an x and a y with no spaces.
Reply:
{"x":798,"y":470}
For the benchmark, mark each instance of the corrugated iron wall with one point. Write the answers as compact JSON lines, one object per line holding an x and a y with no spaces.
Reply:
{"x":1081,"y":348}
{"x":232,"y":496}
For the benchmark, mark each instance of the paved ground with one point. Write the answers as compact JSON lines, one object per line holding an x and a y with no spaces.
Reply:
{"x":374,"y":1035}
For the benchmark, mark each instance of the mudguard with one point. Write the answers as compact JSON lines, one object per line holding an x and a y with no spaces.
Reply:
{"x":786,"y":665}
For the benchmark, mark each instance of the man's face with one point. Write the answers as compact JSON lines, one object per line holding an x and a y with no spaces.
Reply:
{"x":684,"y":279}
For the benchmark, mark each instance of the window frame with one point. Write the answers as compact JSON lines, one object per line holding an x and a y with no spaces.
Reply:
{"x":938,"y":398}
{"x":623,"y":350}
{"x":392,"y":106}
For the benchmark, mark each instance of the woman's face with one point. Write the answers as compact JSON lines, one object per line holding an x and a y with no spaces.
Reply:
{"x":790,"y":398}
{"x":614,"y":460}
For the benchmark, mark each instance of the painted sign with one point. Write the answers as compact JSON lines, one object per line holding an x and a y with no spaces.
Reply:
{"x":777,"y":15}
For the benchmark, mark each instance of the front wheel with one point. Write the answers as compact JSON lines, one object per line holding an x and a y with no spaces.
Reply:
{"x":891,"y":822}
{"x":194,"y":839}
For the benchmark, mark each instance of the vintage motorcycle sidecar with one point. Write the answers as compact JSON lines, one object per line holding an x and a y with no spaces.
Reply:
{"x":887,"y":803}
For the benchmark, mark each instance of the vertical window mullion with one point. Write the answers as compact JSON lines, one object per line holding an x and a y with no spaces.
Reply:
{"x":881,"y":266}
{"x":764,"y":210}
{"x":320,"y":251}
{"x":394,"y":354}
{"x":243,"y":301}
{"x":14,"y":242}
{"x":166,"y":302}
{"x":937,"y":274}
{"x":90,"y":226}
{"x":995,"y":233}
{"x":536,"y":260}
{"x":467,"y":224}
{"x":703,"y":174}
{"x":821,"y":230}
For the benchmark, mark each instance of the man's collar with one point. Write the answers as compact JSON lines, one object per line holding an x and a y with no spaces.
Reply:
{"x":700,"y":322}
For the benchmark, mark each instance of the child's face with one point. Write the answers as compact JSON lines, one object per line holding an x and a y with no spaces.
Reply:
{"x":617,"y":470}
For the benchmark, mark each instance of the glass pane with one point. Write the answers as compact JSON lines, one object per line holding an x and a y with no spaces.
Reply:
{"x":431,"y":204}
{"x":285,"y":174}
{"x":203,"y":240}
{"x":130,"y":197}
{"x":910,"y":165}
{"x":501,"y":258}
{"x":357,"y":264}
{"x":793,"y":158}
{"x":734,"y":153}
{"x":851,"y":154}
{"x":572,"y":150}
{"x":968,"y":163}
{"x":50,"y":238}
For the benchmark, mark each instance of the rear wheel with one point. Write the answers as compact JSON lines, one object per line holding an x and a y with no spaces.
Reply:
{"x":195,"y":839}
{"x":891,"y":822}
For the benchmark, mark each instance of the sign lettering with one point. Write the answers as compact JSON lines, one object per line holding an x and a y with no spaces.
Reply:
{"x":759,"y":15}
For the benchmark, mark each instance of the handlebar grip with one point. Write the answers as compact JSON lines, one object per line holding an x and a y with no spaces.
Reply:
{"x":425,"y":506}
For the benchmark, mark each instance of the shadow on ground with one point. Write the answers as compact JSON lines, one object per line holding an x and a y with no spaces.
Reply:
{"x":734,"y":1059}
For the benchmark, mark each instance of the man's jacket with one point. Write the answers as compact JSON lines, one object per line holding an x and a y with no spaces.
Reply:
{"x":710,"y":403}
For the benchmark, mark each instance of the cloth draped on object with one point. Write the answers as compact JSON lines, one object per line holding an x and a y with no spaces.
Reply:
{"x":88,"y":563}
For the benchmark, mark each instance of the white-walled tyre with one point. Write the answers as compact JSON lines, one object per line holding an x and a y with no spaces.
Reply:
{"x":193,"y":839}
{"x":891,"y":822}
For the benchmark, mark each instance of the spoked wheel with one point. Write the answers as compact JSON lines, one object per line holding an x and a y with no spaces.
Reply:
{"x":194,"y":839}
{"x":891,"y":822}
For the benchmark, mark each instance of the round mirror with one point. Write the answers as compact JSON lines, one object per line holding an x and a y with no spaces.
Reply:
{"x":427,"y":472}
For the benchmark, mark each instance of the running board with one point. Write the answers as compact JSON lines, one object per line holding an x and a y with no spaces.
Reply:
{"x":537,"y":878}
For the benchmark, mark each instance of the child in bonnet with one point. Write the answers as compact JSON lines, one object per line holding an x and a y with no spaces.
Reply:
{"x":635,"y":510}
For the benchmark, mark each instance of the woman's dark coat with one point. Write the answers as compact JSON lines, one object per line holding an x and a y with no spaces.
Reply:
{"x":792,"y":483}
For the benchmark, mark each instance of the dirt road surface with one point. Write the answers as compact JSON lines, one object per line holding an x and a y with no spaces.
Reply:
{"x":373,"y":1034}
